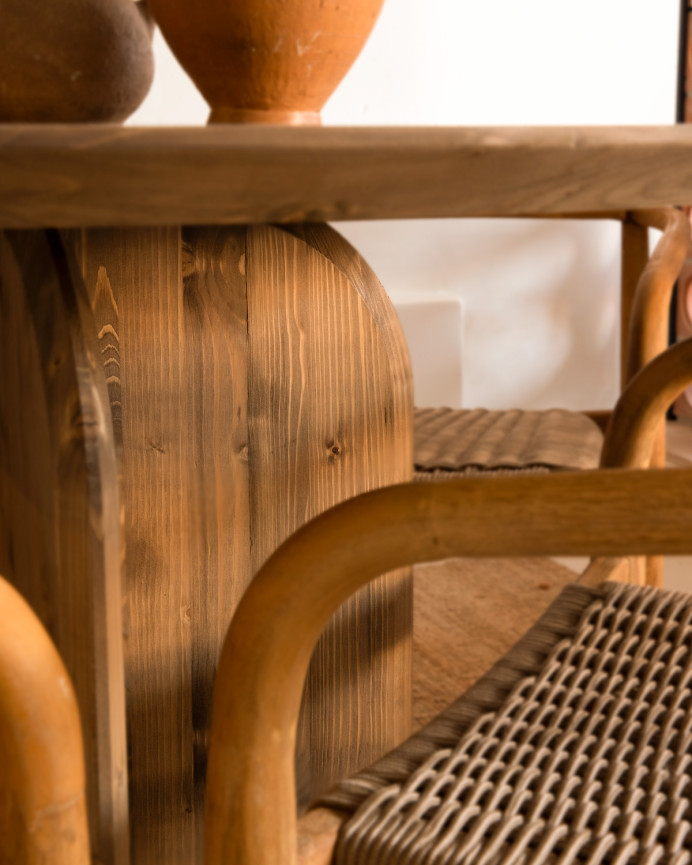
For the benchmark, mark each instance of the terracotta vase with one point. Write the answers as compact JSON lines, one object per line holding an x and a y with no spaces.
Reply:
{"x":266,"y":61}
{"x":73,"y":61}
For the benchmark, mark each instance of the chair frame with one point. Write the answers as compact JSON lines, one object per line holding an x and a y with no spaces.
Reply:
{"x":251,"y":807}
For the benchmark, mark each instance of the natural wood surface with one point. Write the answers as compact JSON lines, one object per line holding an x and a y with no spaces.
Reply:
{"x":633,"y":261}
{"x":638,"y":414}
{"x":253,"y":383}
{"x":250,"y":786}
{"x":42,"y":803}
{"x":317,"y":834}
{"x":648,"y":322}
{"x":60,"y":525}
{"x":634,"y":255}
{"x":171,"y":320}
{"x":624,"y":569}
{"x":647,"y":310}
{"x":109,"y":175}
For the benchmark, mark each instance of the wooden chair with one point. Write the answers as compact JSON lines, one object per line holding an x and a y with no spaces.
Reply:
{"x":251,"y":813}
{"x":451,"y":443}
{"x":609,"y":513}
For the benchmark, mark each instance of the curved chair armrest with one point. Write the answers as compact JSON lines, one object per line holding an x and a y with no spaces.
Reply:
{"x":637,"y":416}
{"x":251,"y":809}
{"x":632,"y":437}
{"x":42,"y":804}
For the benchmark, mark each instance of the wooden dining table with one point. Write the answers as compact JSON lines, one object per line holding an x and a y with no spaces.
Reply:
{"x":194,"y":363}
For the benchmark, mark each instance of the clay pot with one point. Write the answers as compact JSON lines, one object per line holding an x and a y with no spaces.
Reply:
{"x":76,"y":60}
{"x":266,"y":61}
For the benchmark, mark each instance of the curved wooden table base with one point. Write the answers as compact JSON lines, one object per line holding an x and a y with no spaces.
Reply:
{"x":254,"y":376}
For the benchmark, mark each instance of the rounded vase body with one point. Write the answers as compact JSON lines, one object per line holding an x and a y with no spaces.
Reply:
{"x":73,"y":61}
{"x":274,"y":61}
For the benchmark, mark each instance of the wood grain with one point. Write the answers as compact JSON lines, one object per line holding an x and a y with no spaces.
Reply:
{"x":330,"y":416}
{"x":59,"y":525}
{"x":634,"y":255}
{"x":646,"y":303}
{"x":82,"y":175}
{"x":648,"y":324}
{"x":251,"y":812}
{"x":171,"y":315}
{"x":638,"y":414}
{"x":251,"y":388}
{"x":79,"y":61}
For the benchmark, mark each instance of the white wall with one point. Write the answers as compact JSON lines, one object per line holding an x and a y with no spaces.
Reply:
{"x":540,"y":299}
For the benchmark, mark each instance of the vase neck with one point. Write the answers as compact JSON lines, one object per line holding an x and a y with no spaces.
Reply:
{"x":223,"y":114}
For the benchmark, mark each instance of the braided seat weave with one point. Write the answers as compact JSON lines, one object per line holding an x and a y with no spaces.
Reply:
{"x":450,"y":443}
{"x":585,"y":756}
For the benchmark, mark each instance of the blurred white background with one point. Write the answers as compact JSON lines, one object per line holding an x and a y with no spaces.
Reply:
{"x":540,"y":300}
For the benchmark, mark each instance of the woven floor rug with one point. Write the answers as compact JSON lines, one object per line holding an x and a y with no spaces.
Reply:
{"x":467,"y":614}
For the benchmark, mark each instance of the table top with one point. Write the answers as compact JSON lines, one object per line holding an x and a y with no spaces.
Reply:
{"x":100,"y":175}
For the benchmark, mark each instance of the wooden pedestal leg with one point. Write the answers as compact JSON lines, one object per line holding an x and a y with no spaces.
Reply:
{"x":257,"y":376}
{"x":59,"y":514}
{"x":329,"y":416}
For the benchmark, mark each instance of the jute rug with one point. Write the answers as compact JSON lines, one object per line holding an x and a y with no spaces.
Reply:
{"x":467,"y":614}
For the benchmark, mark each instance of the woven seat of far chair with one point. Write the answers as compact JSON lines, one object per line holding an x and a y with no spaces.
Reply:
{"x":451,"y":443}
{"x":575,"y":747}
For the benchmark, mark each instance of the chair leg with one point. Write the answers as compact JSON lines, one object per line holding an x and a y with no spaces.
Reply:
{"x":646,"y":291}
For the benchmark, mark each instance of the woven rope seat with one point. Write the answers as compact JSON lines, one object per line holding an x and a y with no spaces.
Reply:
{"x":452,"y":443}
{"x":575,"y":748}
